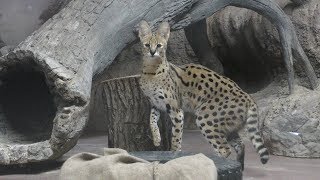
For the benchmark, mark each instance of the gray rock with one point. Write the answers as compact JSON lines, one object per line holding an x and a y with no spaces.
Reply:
{"x":2,"y":44}
{"x":290,"y":124}
{"x":313,"y":147}
{"x":6,"y":49}
{"x":243,"y":39}
{"x":310,"y":126}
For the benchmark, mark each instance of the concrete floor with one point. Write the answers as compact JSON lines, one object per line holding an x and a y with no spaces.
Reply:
{"x":278,"y":168}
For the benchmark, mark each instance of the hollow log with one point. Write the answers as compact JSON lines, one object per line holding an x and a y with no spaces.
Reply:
{"x":127,"y":113}
{"x":78,"y":43}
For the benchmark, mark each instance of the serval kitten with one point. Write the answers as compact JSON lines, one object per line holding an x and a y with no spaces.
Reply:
{"x":221,"y":107}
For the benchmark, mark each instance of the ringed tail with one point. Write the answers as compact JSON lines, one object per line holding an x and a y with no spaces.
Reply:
{"x":255,"y":134}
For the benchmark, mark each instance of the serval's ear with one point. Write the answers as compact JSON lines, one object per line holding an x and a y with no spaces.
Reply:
{"x":144,"y":30}
{"x":164,"y":30}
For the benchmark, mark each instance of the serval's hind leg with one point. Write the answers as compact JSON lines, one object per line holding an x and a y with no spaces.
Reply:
{"x":212,"y":131}
{"x":237,"y":144}
{"x":177,"y":118}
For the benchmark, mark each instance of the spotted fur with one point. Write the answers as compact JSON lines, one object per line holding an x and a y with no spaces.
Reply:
{"x":221,"y":107}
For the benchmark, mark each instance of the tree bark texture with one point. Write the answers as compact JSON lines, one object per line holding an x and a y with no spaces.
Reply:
{"x":127,"y":113}
{"x":86,"y":36}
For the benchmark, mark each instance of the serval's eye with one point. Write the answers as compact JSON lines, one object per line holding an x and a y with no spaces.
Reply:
{"x":147,"y":45}
{"x":159,"y":45}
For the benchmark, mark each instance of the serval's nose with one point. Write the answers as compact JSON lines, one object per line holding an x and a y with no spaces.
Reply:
{"x":152,"y":53}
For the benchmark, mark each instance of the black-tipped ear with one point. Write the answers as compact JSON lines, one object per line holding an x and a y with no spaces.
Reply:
{"x":144,"y":29}
{"x":164,"y":30}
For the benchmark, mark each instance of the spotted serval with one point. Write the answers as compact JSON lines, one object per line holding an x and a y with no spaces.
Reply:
{"x":221,"y":107}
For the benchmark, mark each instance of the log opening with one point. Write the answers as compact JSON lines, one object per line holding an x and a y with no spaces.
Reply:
{"x":27,"y":106}
{"x":42,"y":112}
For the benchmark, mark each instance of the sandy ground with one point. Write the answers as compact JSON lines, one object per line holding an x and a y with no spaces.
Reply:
{"x":278,"y":168}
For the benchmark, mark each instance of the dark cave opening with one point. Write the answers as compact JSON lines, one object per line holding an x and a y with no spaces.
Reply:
{"x":248,"y":71}
{"x":27,"y":107}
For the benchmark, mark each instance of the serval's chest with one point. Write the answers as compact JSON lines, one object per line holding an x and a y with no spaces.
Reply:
{"x":161,"y":89}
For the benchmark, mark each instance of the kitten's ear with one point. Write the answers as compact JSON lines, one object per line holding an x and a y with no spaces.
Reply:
{"x":164,"y":30}
{"x":144,"y":29}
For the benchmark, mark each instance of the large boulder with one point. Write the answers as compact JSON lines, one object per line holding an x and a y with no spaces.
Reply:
{"x":290,"y":123}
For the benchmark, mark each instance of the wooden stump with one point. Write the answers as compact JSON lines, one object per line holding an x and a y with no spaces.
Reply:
{"x":127,"y":111}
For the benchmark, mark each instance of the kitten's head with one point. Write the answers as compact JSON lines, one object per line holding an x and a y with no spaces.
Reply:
{"x":154,"y":45}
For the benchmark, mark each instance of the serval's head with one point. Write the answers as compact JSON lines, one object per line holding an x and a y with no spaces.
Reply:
{"x":154,"y":44}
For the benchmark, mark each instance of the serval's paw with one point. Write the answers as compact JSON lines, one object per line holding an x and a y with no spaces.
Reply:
{"x":157,"y":141}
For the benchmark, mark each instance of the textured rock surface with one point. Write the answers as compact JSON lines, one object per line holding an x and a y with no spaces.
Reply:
{"x":248,"y":44}
{"x":306,"y":19}
{"x":5,"y":50}
{"x":2,"y":44}
{"x":291,"y":124}
{"x":249,"y":48}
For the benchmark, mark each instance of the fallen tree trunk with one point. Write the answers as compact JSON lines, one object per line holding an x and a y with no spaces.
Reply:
{"x":78,"y":43}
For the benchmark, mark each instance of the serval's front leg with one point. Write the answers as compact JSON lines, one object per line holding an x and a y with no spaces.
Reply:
{"x":154,"y":117}
{"x":177,"y":117}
